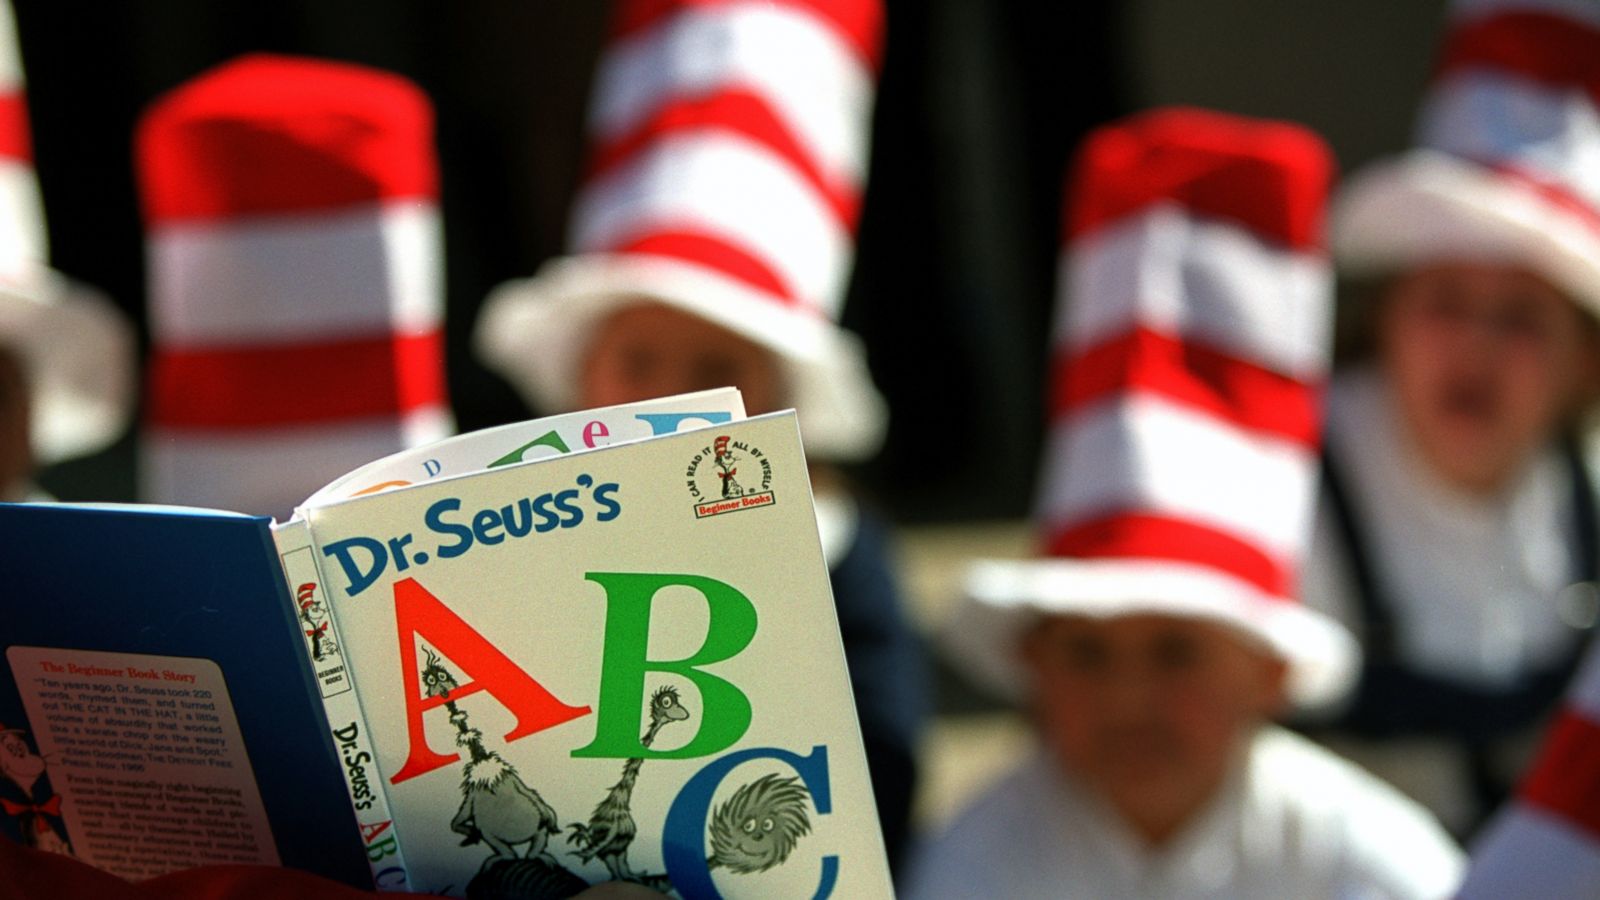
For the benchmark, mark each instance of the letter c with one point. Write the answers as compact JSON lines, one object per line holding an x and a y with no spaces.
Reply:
{"x":683,"y":844}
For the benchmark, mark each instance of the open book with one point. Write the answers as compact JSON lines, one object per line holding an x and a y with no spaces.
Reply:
{"x":591,"y":647}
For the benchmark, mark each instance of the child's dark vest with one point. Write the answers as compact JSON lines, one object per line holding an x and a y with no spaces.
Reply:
{"x":1392,"y":699}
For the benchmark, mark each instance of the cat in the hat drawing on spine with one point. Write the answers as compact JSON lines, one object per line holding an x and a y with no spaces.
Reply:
{"x":315,"y":619}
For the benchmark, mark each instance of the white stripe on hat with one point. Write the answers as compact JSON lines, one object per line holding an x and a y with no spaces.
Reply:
{"x":311,"y":276}
{"x":262,"y":470}
{"x":22,"y":230}
{"x":1457,"y":111}
{"x":12,"y":79}
{"x":799,"y":64}
{"x":296,"y":299}
{"x":733,"y":189}
{"x":1167,"y":270}
{"x":1143,"y":454}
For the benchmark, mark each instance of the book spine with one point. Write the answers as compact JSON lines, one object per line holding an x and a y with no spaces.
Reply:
{"x":341,"y":703}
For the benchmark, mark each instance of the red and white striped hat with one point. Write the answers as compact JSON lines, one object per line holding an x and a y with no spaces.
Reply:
{"x":725,"y":178}
{"x":76,"y":348}
{"x":295,"y":260}
{"x":1508,"y":163}
{"x":1191,"y":347}
{"x":1547,"y":842}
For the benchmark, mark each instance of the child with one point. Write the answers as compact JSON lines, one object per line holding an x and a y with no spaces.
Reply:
{"x":712,"y":244}
{"x":1457,"y":532}
{"x":1158,"y":637}
{"x":66,"y":355}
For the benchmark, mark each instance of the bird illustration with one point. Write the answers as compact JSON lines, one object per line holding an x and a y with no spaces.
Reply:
{"x":611,"y":827}
{"x":496,"y":806}
{"x":758,"y":827}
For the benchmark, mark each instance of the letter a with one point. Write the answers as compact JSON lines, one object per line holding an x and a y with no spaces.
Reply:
{"x":420,"y":614}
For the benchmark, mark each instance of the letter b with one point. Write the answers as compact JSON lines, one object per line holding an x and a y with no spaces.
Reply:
{"x":724,"y":709}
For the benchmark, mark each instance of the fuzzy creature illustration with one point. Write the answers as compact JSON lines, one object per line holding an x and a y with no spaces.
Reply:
{"x":611,"y":827}
{"x":496,"y":806}
{"x":758,"y":827}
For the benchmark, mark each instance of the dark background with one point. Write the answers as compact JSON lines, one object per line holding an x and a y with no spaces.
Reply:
{"x":980,"y":105}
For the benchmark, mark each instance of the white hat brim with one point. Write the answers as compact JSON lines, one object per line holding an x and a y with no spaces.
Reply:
{"x":1006,"y":597}
{"x":77,"y":352}
{"x":1428,"y":206}
{"x":536,"y":330}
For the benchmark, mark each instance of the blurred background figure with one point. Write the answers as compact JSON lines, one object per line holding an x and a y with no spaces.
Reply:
{"x":1457,"y":534}
{"x":1157,"y":637}
{"x":711,"y":244}
{"x":1547,"y":843}
{"x":66,"y":354}
{"x":295,"y":264}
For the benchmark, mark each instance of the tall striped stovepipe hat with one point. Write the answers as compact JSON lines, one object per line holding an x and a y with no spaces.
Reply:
{"x":729,"y":148}
{"x":75,"y":349}
{"x":1546,"y":842}
{"x":1191,"y":345}
{"x":295,"y":266}
{"x":1507,"y":167}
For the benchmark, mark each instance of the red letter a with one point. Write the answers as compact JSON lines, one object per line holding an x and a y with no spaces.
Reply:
{"x":418,"y":612}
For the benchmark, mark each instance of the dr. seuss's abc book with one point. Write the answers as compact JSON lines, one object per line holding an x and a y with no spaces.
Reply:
{"x":600,"y":646}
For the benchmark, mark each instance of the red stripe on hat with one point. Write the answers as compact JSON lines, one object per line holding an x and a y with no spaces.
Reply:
{"x":1129,"y":535}
{"x":1543,"y":47}
{"x":1558,"y":195}
{"x":713,"y":253}
{"x":859,"y":23}
{"x":1194,"y":375}
{"x":272,"y":135}
{"x":733,"y":111}
{"x":1565,"y":780}
{"x":298,"y":384}
{"x":16,"y":140}
{"x":1270,"y":177}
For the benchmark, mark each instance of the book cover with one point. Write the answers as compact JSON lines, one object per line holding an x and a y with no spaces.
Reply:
{"x":156,"y":711}
{"x":623,"y":663}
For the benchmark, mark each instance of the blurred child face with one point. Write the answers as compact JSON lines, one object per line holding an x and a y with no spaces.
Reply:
{"x":1485,"y":362}
{"x":646,"y":350}
{"x":1149,"y":711}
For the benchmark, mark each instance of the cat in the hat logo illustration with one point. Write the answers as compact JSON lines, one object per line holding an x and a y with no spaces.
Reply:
{"x":729,"y":459}
{"x":28,"y":803}
{"x":726,"y":464}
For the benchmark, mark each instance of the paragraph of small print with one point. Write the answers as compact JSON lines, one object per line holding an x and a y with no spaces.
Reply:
{"x":146,"y":754}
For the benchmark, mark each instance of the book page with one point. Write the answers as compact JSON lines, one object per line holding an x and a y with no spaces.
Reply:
{"x":535,"y":439}
{"x":144,"y":758}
